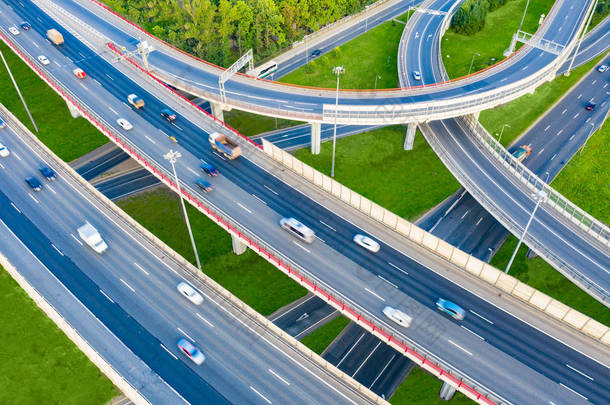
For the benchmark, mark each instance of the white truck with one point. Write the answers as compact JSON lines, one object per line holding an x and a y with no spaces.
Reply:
{"x":224,"y":145}
{"x":55,"y":36}
{"x":92,"y":237}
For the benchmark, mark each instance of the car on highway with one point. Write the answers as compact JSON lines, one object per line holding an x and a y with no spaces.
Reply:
{"x":397,"y":316}
{"x":4,"y":152}
{"x":34,"y":183}
{"x":43,"y":59}
{"x":190,"y":293}
{"x":522,"y":152}
{"x":297,"y":229}
{"x":126,"y":125}
{"x":416,"y":75}
{"x":204,"y":185}
{"x":13,"y":30}
{"x":590,"y":106}
{"x":450,"y":308}
{"x":602,"y":68}
{"x":168,"y":114}
{"x":316,"y":53}
{"x":25,"y":26}
{"x":191,"y":351}
{"x":48,"y":173}
{"x":209,"y":169}
{"x":367,"y":243}
{"x":80,"y":73}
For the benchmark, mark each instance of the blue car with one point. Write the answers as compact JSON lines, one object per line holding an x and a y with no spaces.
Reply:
{"x":209,"y":169}
{"x":34,"y":183}
{"x":48,"y":173}
{"x":451,"y":308}
{"x":204,"y":185}
{"x":25,"y":26}
{"x":168,"y":114}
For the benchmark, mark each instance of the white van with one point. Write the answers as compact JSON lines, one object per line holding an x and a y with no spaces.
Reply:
{"x":298,"y":229}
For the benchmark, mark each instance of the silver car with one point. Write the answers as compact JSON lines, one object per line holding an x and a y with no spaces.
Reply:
{"x":190,"y":293}
{"x":126,"y":125}
{"x":397,"y":316}
{"x":367,"y":243}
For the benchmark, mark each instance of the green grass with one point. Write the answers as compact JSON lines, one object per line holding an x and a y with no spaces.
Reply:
{"x":248,"y":276}
{"x":253,"y":124}
{"x":421,"y":388}
{"x":69,"y":138}
{"x":322,"y":337}
{"x":38,"y":363}
{"x":406,"y":183}
{"x":597,"y":18}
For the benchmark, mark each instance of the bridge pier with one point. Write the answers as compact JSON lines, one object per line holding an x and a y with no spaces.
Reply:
{"x":476,"y":115}
{"x":315,"y":137}
{"x":74,"y":112}
{"x":447,"y":392}
{"x":410,"y":136}
{"x":217,"y":110}
{"x":238,"y":246}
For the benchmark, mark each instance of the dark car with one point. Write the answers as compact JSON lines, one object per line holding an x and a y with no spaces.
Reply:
{"x":209,"y":169}
{"x":590,"y":106}
{"x":25,"y":26}
{"x":48,"y":173}
{"x":316,"y":53}
{"x":168,"y":114}
{"x":34,"y":183}
{"x":204,"y":185}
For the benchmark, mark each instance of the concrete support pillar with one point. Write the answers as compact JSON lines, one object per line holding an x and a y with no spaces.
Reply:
{"x":315,"y":137}
{"x":447,"y":392}
{"x":73,"y":110}
{"x":238,"y":246}
{"x":476,"y":115}
{"x":217,"y":110}
{"x":410,"y":136}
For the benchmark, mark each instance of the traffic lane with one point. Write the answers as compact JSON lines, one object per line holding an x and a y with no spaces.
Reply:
{"x":102,"y":164}
{"x":127,"y":184}
{"x":305,"y":317}
{"x":301,"y":137}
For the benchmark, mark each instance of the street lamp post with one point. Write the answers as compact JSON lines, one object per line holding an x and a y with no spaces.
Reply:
{"x":524,"y":12}
{"x":173,"y":156}
{"x":18,"y":91}
{"x":376,"y":77}
{"x":540,"y":197}
{"x":502,"y":131}
{"x":472,"y":61}
{"x":338,"y":70}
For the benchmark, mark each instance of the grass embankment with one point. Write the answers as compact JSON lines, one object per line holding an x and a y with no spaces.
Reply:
{"x":69,"y":138}
{"x":250,"y":124}
{"x":248,"y":276}
{"x":38,"y":363}
{"x":421,"y":388}
{"x":322,"y":337}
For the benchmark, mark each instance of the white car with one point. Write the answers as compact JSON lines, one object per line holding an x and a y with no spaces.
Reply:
{"x":416,"y":75}
{"x":4,"y":152}
{"x":602,"y":68}
{"x":190,"y":293}
{"x":13,"y":30}
{"x":367,"y":243}
{"x":397,"y":316}
{"x":126,"y":125}
{"x":43,"y":59}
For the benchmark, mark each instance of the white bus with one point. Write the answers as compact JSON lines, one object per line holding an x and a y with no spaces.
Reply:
{"x":264,"y":70}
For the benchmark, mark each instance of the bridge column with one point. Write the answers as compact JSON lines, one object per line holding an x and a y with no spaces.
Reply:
{"x":217,"y":110}
{"x":447,"y":392}
{"x":73,"y":110}
{"x":238,"y":246}
{"x":476,"y":115}
{"x":410,"y":136}
{"x":315,"y":137}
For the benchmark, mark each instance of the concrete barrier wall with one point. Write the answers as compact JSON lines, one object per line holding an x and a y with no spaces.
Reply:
{"x":461,"y":259}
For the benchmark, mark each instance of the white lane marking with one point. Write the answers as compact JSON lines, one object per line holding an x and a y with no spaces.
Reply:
{"x":458,"y":346}
{"x":279,"y":377}
{"x":547,"y":128}
{"x":1,"y":165}
{"x":375,"y":294}
{"x":564,"y":111}
{"x":366,"y":359}
{"x":270,"y":189}
{"x":33,"y":198}
{"x":466,"y":213}
{"x":479,"y":221}
{"x":219,"y":155}
{"x":576,"y":115}
{"x":110,"y":108}
{"x":260,"y":395}
{"x":553,"y":157}
{"x":110,"y":77}
{"x":177,"y":126}
{"x":312,"y":327}
{"x":58,"y":251}
{"x":541,"y":150}
{"x":141,"y":268}
{"x":387,"y":281}
{"x":203,"y":319}
{"x":170,"y":353}
{"x":127,"y":285}
{"x":187,"y":335}
{"x":14,"y":206}
{"x":328,"y":226}
{"x":572,"y":137}
{"x":560,"y":131}
{"x":302,"y":247}
{"x":321,"y":240}
{"x":104,"y":294}
{"x":580,"y":372}
{"x":35,"y":44}
{"x":150,"y":139}
{"x":580,"y":395}
{"x":51,"y":188}
{"x":259,"y":199}
{"x":382,"y":370}
{"x":76,"y":239}
{"x":82,"y":56}
{"x":352,"y":348}
{"x":58,"y":65}
{"x":594,"y":81}
{"x":83,"y":86}
{"x":481,"y":316}
{"x":192,"y":171}
{"x":17,"y":156}
{"x":245,"y":208}
{"x":275,"y":318}
{"x":476,"y":334}
{"x":579,"y":96}
{"x":398,"y":268}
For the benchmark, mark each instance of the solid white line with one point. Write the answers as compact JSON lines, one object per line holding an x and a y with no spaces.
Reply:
{"x":291,"y":309}
{"x":259,"y":199}
{"x":249,"y":212}
{"x":387,"y":281}
{"x":33,"y":198}
{"x":141,"y":268}
{"x":580,"y":395}
{"x":186,"y":334}
{"x":352,"y":348}
{"x":128,"y":286}
{"x":314,"y":325}
{"x":278,"y":377}
{"x":14,"y":206}
{"x":376,"y":295}
{"x":398,"y":268}
{"x":367,"y":359}
{"x":170,"y":353}
{"x":458,"y":346}
{"x":204,"y":320}
{"x":302,"y":247}
{"x":328,"y":226}
{"x":382,"y":370}
{"x":476,"y":334}
{"x":104,"y":294}
{"x":270,"y":189}
{"x":261,"y":395}
{"x":58,"y":251}
{"x":580,"y":372}
{"x":481,"y":316}
{"x":150,"y":139}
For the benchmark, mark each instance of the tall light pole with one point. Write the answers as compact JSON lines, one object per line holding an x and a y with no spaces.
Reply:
{"x":540,"y":197}
{"x":18,"y":92}
{"x":580,"y":40}
{"x":502,"y":131}
{"x":338,"y":70}
{"x":472,"y":61}
{"x":173,"y":156}
{"x":376,"y":77}
{"x":589,"y":136}
{"x":524,"y":12}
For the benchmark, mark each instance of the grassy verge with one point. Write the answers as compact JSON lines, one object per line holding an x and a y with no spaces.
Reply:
{"x":69,"y":138}
{"x":322,"y":337}
{"x":39,"y":364}
{"x":421,"y":388}
{"x":375,"y":165}
{"x":248,"y":276}
{"x":253,"y":124}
